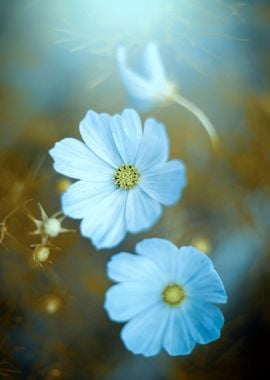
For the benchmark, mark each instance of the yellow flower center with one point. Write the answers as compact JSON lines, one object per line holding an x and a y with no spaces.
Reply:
{"x":173,"y":295}
{"x":126,"y":177}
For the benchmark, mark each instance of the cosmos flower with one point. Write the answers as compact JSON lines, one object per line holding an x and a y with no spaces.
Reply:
{"x":167,"y":295}
{"x":123,"y":175}
{"x":152,"y":88}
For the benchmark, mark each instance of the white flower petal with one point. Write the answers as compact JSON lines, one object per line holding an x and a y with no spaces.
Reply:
{"x":105,"y":222}
{"x":191,"y":263}
{"x":148,"y":88}
{"x":74,"y":159}
{"x":164,"y":183}
{"x":144,"y":333}
{"x":82,"y":197}
{"x":207,"y":287}
{"x":127,"y":134}
{"x":142,"y":212}
{"x":195,"y":271}
{"x":156,"y":249}
{"x":178,"y":339}
{"x":123,"y":301}
{"x":153,"y":64}
{"x":139,"y":88}
{"x":96,"y":131}
{"x":163,"y":253}
{"x":154,"y":148}
{"x":132,"y":268}
{"x":206,"y":321}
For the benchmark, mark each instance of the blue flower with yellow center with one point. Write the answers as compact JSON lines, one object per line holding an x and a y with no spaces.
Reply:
{"x":123,"y":175}
{"x":167,"y":296}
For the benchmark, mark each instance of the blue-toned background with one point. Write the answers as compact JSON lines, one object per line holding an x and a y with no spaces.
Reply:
{"x":57,"y":60}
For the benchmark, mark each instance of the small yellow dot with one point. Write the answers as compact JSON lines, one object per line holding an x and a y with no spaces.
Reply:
{"x":126,"y":177}
{"x":54,"y":373}
{"x":173,"y":294}
{"x":62,"y":185}
{"x":52,"y":304}
{"x":41,"y":253}
{"x":202,"y":244}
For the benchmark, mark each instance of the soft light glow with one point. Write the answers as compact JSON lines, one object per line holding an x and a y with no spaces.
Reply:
{"x":102,"y":25}
{"x":62,"y":185}
{"x":202,"y":244}
{"x":126,"y":15}
{"x":52,"y":304}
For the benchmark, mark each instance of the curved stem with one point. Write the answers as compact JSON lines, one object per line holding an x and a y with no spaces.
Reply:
{"x":201,"y":116}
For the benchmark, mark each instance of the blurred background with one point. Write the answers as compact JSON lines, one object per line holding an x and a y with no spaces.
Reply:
{"x":57,"y":61}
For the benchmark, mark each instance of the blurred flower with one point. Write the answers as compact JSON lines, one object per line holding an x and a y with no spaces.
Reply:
{"x":152,"y":87}
{"x":48,"y":226}
{"x":62,"y":185}
{"x":202,"y":244}
{"x":55,"y":373}
{"x":123,"y":175}
{"x":167,"y":295}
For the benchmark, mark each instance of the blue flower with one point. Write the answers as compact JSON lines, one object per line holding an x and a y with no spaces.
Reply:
{"x":148,"y":90}
{"x":123,"y":175}
{"x":168,"y":297}
{"x":152,"y":88}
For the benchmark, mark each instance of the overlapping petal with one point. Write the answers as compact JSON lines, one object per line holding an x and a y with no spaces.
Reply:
{"x":96,"y":132}
{"x":83,"y":196}
{"x":165,"y":183}
{"x":161,"y":252}
{"x":192,"y":263}
{"x":74,"y":159}
{"x":144,"y":333}
{"x":105,"y":221}
{"x":126,"y":130}
{"x":125,"y":300}
{"x":178,"y":339}
{"x":208,"y":287}
{"x":205,"y":321}
{"x":154,"y":148}
{"x":142,"y":212}
{"x":126,"y":267}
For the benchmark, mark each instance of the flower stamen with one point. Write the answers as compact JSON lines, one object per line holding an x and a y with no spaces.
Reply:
{"x":126,"y":177}
{"x":173,"y":294}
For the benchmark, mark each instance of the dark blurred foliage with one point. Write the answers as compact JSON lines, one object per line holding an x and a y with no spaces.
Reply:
{"x":52,"y":321}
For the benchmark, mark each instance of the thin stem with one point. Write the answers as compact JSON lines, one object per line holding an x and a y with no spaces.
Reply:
{"x":201,"y":116}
